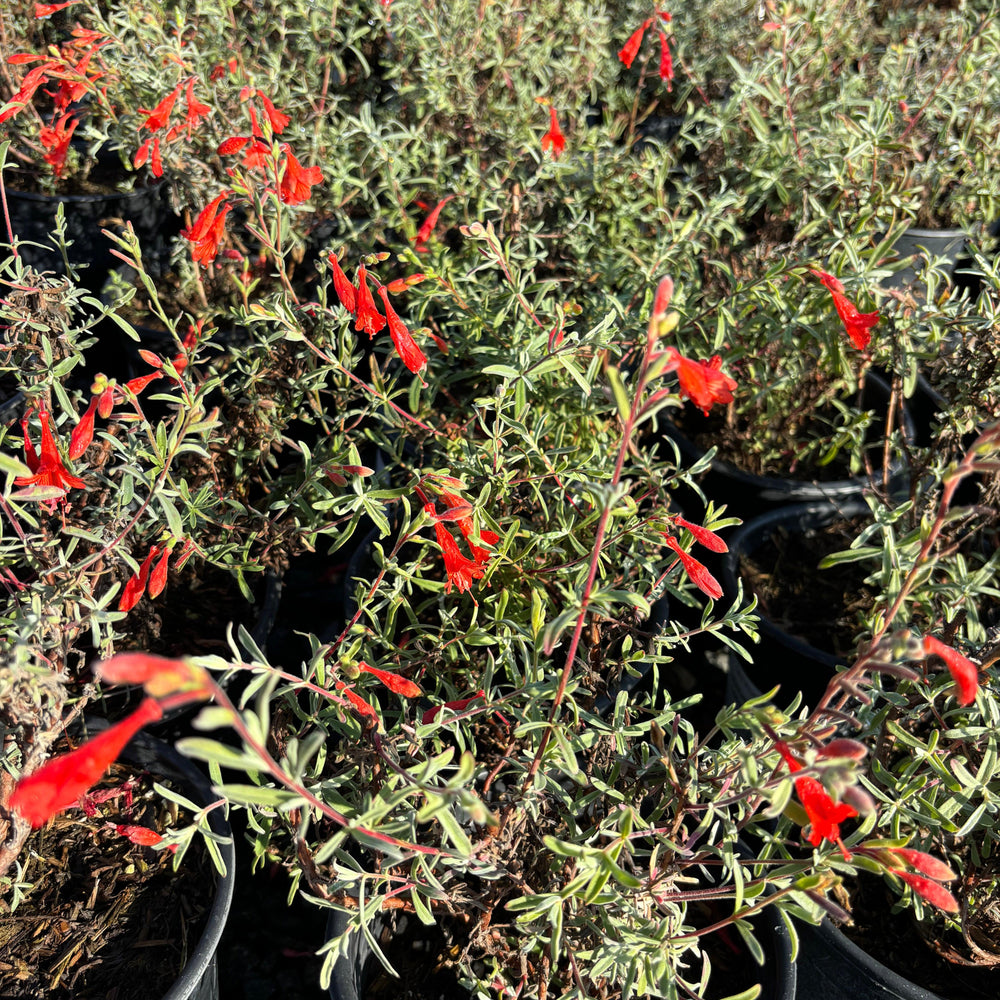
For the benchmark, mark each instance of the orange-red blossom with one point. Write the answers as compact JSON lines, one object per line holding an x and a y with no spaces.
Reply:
{"x":703,"y":382}
{"x":61,"y":781}
{"x":857,"y":324}
{"x":825,"y":815}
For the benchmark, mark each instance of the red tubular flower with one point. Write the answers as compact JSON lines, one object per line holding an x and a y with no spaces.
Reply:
{"x":47,"y":9}
{"x":196,"y":110}
{"x":479,"y":554}
{"x":406,"y":346}
{"x":158,"y":575}
{"x":160,"y":677}
{"x":297,"y":182}
{"x":457,"y":706}
{"x":933,"y":892}
{"x":926,"y":864}
{"x":56,"y":785}
{"x":160,"y":115}
{"x":342,"y":286}
{"x":232,"y":145}
{"x":461,"y":570}
{"x":208,"y":229}
{"x":631,"y":48}
{"x":554,"y":139}
{"x":963,"y":671}
{"x":824,"y":814}
{"x":136,"y":584}
{"x":360,"y":705}
{"x":56,"y":138}
{"x":278,"y":119}
{"x":427,"y":227}
{"x":703,"y":382}
{"x":33,"y":79}
{"x":141,"y":835}
{"x":700,"y":576}
{"x":703,"y":536}
{"x":856,"y":324}
{"x":83,"y":434}
{"x":396,"y":684}
{"x":666,"y":61}
{"x":47,"y":468}
{"x":369,"y":318}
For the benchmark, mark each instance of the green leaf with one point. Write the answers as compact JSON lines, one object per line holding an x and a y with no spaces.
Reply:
{"x":14,"y":467}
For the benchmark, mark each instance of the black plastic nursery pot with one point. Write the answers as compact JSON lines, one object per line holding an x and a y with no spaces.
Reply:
{"x":747,"y":494}
{"x":33,"y":220}
{"x":198,"y":979}
{"x":832,"y":967}
{"x":781,"y":658}
{"x":918,"y":246}
{"x":356,"y":971}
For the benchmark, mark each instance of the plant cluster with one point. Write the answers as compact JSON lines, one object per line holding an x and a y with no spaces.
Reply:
{"x":458,"y":393}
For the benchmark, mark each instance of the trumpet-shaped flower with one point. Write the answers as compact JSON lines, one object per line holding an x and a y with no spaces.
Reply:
{"x":406,"y":346}
{"x":700,"y":576}
{"x":963,"y":671}
{"x":824,"y":814}
{"x":342,"y":286}
{"x":57,"y":784}
{"x":427,"y":227}
{"x":160,"y":115}
{"x":631,"y":48}
{"x":368,"y":318}
{"x":296,"y":181}
{"x":554,"y":138}
{"x":207,"y":231}
{"x":703,"y":382}
{"x":857,"y":324}
{"x":47,"y":467}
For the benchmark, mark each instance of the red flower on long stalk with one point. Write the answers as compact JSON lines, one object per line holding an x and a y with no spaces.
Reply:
{"x":33,"y":79}
{"x":857,"y":324}
{"x":47,"y":9}
{"x":47,"y":467}
{"x":57,"y":784}
{"x":406,"y":346}
{"x":963,"y":671}
{"x":368,"y":318}
{"x":631,"y":48}
{"x":824,"y":814}
{"x":427,"y":227}
{"x":296,"y":182}
{"x":703,"y":382}
{"x":465,"y":525}
{"x":459,"y":568}
{"x":278,"y":119}
{"x":342,"y":285}
{"x":554,"y":138}
{"x":700,"y":576}
{"x":397,"y":684}
{"x":172,"y":681}
{"x":666,"y":61}
{"x":136,"y":584}
{"x":83,"y":434}
{"x":195,"y":110}
{"x":160,"y":115}
{"x":56,"y":138}
{"x":207,"y":231}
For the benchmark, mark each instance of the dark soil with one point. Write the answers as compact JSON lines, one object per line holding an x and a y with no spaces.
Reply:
{"x":104,"y":919}
{"x":896,"y":942}
{"x":821,"y":607}
{"x":268,"y":949}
